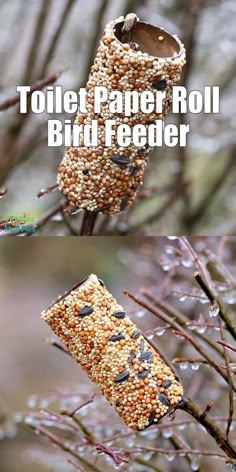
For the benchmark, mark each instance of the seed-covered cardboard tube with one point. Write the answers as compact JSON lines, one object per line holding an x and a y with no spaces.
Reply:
{"x":108,"y":345}
{"x":145,"y":57}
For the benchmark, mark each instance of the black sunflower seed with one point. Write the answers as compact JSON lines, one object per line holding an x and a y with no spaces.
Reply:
{"x":166,"y":383}
{"x":159,"y":84}
{"x":116,"y":337}
{"x":124,"y":202}
{"x":163,"y":399}
{"x":136,"y":333}
{"x":143,"y":374}
{"x":86,"y":311}
{"x":119,"y":314}
{"x":85,"y":171}
{"x":120,"y":160}
{"x":152,"y":417}
{"x":101,"y":282}
{"x":150,"y":359}
{"x":134,"y":170}
{"x":118,"y":403}
{"x":132,"y":356}
{"x":145,"y":356}
{"x":122,"y":376}
{"x":142,"y":345}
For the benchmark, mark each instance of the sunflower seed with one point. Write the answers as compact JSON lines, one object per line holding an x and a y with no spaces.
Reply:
{"x":85,"y":311}
{"x":118,"y":404}
{"x":120,"y":160}
{"x":124,"y":202}
{"x":142,"y":345}
{"x":116,"y":337}
{"x":134,"y":170}
{"x":150,"y":359}
{"x":101,"y":282}
{"x":163,"y":399}
{"x":143,"y":374}
{"x":152,"y":417}
{"x":145,"y":356}
{"x":136,"y":333}
{"x":122,"y":376}
{"x":166,"y":383}
{"x":119,"y":314}
{"x":132,"y":356}
{"x":159,"y":84}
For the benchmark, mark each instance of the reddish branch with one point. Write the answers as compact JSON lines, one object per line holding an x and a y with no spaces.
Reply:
{"x":40,"y":84}
{"x":223,"y":442}
{"x":160,"y":314}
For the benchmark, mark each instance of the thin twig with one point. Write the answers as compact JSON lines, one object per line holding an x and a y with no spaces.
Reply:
{"x":228,"y":346}
{"x":55,"y":38}
{"x":187,"y":405}
{"x":39,"y":85}
{"x":178,"y":316}
{"x":230,"y":380}
{"x":63,"y":445}
{"x":179,"y":329}
{"x":36,"y":41}
{"x":211,"y":296}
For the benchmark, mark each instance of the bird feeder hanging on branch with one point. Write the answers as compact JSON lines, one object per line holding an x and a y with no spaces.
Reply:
{"x":111,"y":349}
{"x":132,"y":55}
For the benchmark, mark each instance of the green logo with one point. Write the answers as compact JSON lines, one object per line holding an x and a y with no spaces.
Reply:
{"x":15,"y":224}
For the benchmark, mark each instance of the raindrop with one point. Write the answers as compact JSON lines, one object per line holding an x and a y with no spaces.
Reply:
{"x":31,"y":402}
{"x":18,"y":417}
{"x":183,"y":365}
{"x":43,"y":403}
{"x":170,"y":250}
{"x":57,"y":217}
{"x":182,"y":298}
{"x":170,"y":457}
{"x":140,"y":313}
{"x":181,"y":427}
{"x":159,"y":331}
{"x":152,"y":435}
{"x":203,"y":300}
{"x":166,"y":267}
{"x":201,"y":329}
{"x":179,"y":336}
{"x":172,"y":238}
{"x":147,"y":455}
{"x":130,"y":441}
{"x":194,"y":463}
{"x":150,"y":335}
{"x":167,"y":433}
{"x":186,"y":263}
{"x":195,"y":366}
{"x":234,"y":396}
{"x":29,"y":420}
{"x":213,"y":311}
{"x":192,"y":327}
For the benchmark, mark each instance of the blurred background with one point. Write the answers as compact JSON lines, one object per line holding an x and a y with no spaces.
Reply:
{"x":186,"y":191}
{"x":34,"y":272}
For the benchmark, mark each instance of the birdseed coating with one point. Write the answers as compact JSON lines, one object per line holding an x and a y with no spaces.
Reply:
{"x":108,"y":345}
{"x":107,"y":179}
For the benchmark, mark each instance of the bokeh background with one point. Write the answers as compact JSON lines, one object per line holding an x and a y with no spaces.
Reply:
{"x":34,"y":272}
{"x":186,"y":191}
